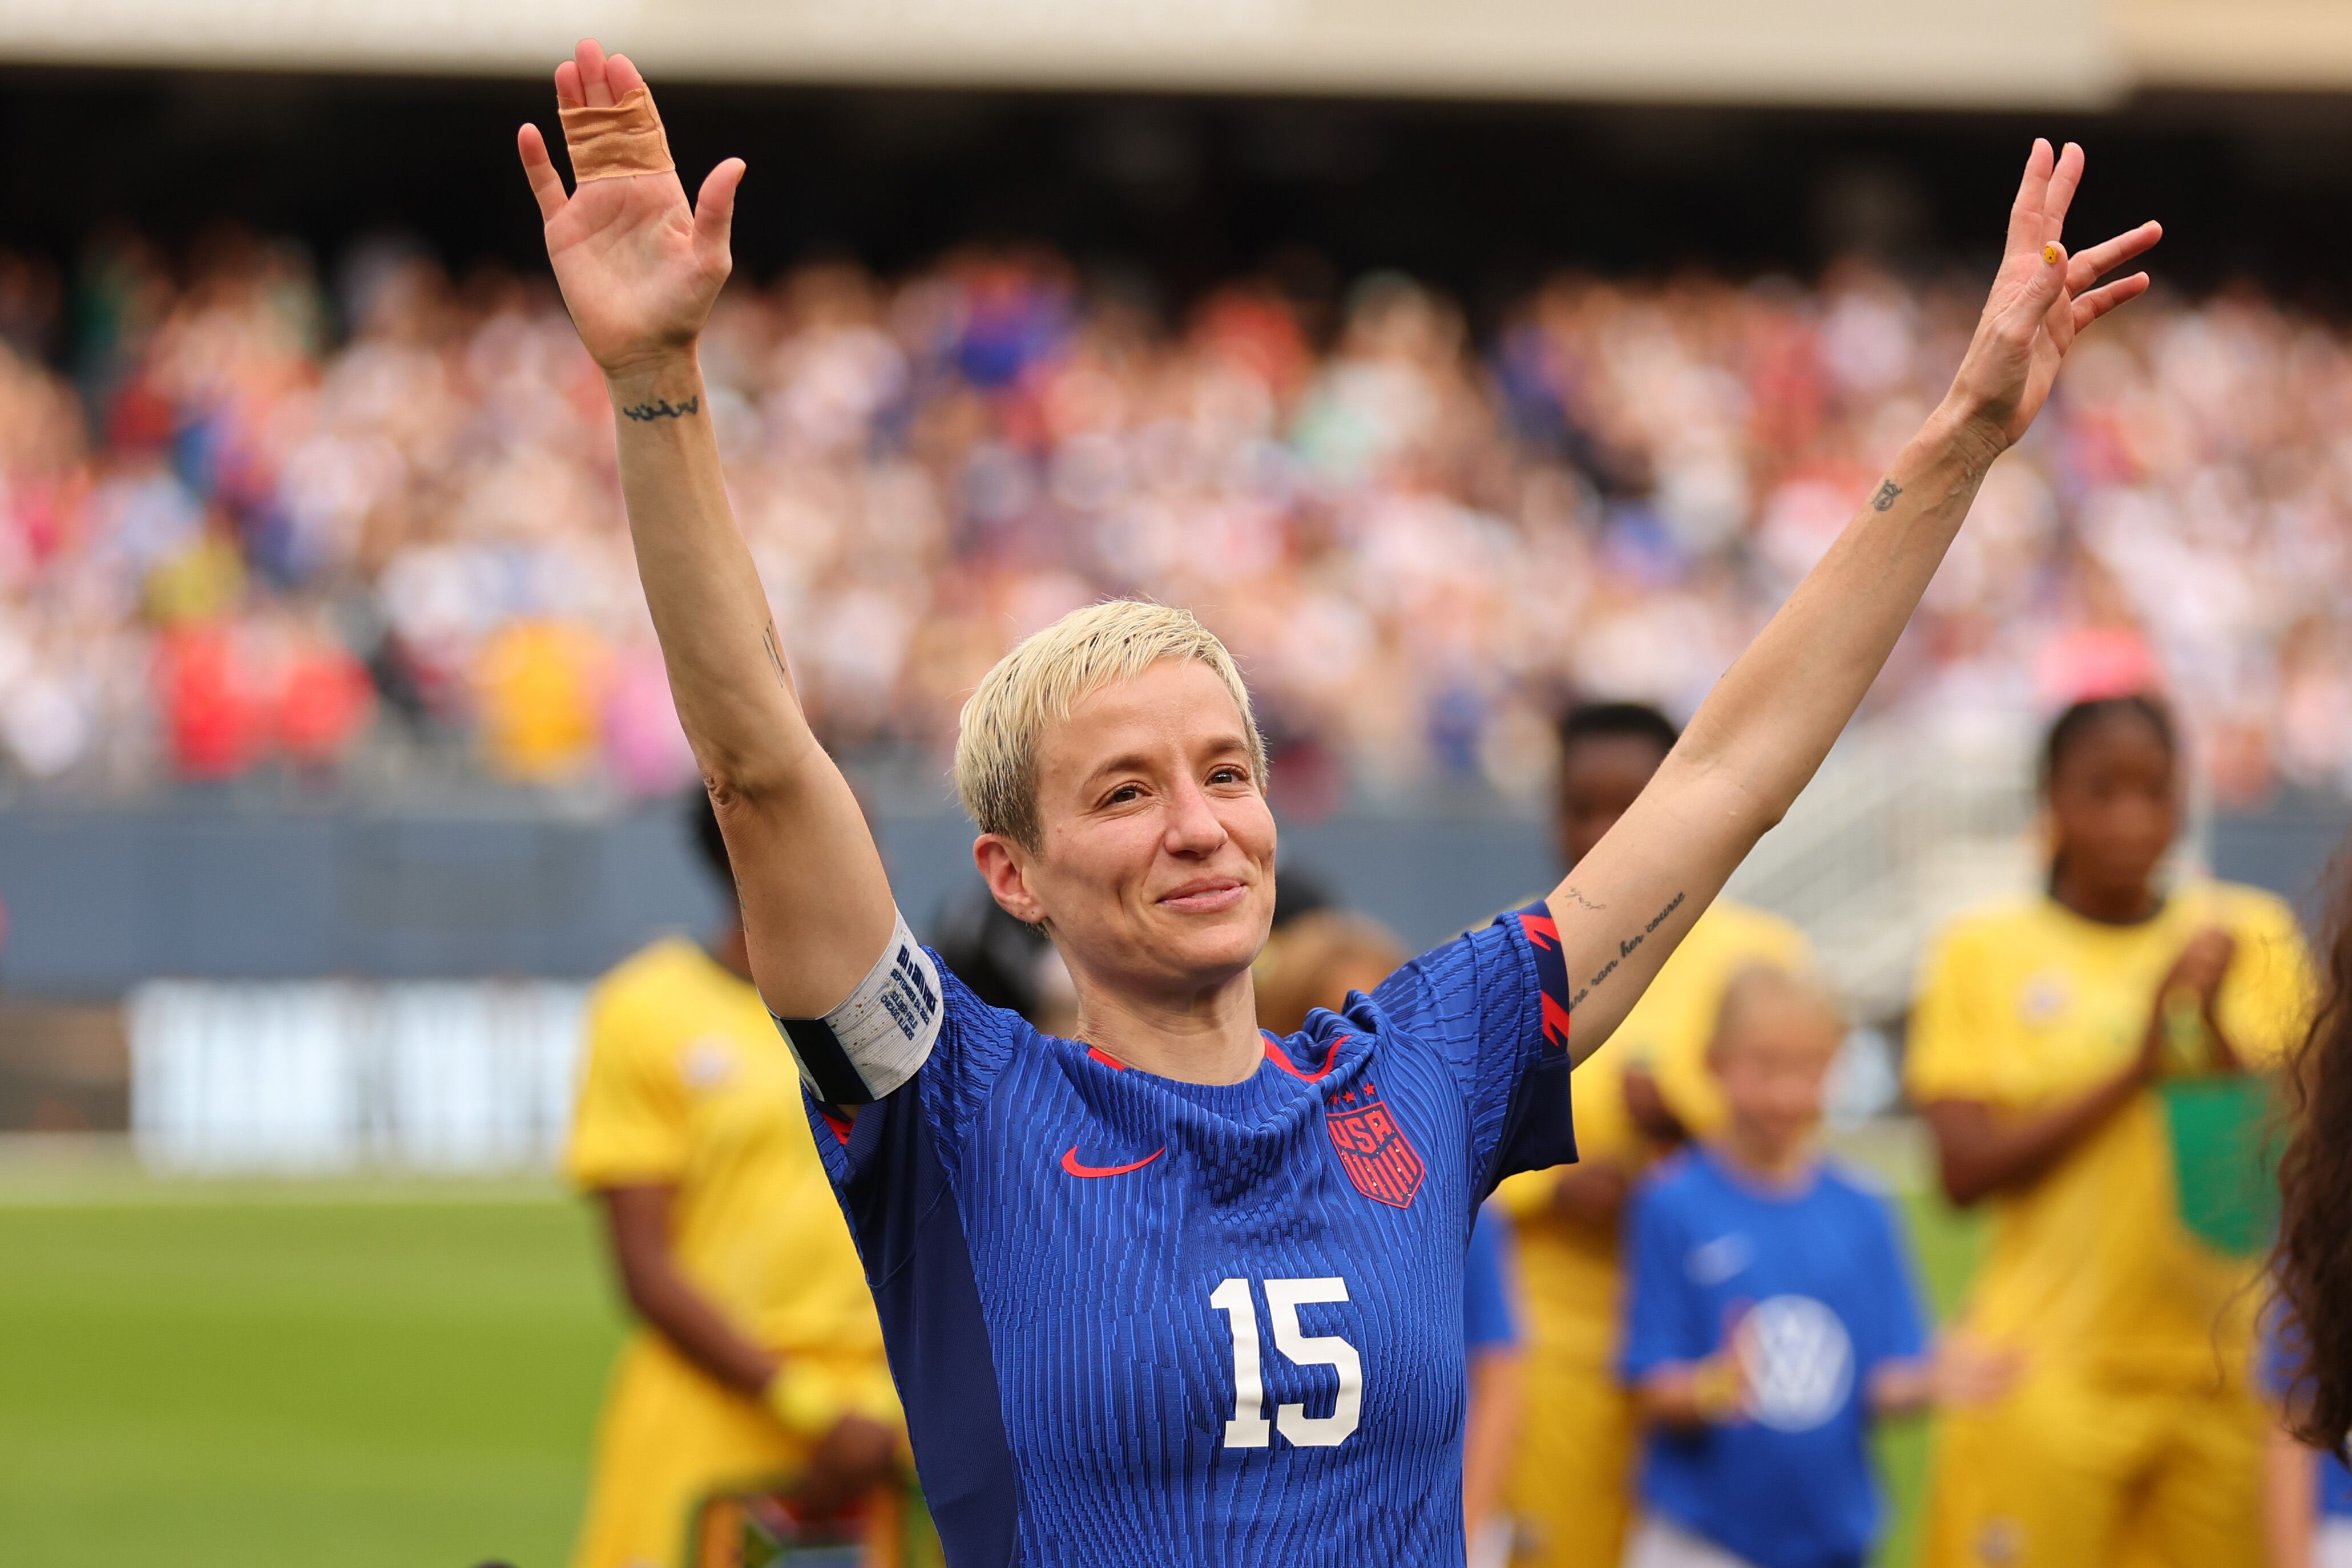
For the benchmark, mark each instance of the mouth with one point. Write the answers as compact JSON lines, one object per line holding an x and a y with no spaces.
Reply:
{"x":1206,"y":896}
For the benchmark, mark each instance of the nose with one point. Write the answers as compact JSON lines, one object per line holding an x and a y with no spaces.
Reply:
{"x":1194,"y":828}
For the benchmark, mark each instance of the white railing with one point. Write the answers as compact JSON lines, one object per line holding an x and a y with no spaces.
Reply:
{"x":338,"y":1075}
{"x":1899,"y":832}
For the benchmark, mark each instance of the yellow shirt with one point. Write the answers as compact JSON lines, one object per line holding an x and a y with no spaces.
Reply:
{"x":2029,"y":1005}
{"x":1570,"y":1271}
{"x":688,"y":1083}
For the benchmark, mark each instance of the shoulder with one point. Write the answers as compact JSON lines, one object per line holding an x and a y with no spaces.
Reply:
{"x":1856,"y":1187}
{"x":1675,"y":1182}
{"x":649,"y":980}
{"x":2251,"y":910}
{"x":1991,"y":929}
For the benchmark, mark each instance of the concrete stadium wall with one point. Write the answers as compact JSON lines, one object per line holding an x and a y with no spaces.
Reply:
{"x":98,"y":900}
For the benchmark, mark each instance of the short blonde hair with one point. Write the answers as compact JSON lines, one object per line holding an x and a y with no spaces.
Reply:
{"x":1046,"y":674}
{"x":1762,"y":984}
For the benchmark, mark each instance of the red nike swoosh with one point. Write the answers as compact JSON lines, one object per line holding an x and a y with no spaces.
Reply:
{"x":1070,"y":1164}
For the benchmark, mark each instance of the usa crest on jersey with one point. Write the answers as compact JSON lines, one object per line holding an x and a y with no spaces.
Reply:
{"x":1374,"y":1150}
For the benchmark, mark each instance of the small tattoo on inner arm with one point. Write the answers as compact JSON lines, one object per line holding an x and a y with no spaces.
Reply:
{"x":1578,"y":899}
{"x":776,"y":655}
{"x":1885,"y":500}
{"x":662,"y":408}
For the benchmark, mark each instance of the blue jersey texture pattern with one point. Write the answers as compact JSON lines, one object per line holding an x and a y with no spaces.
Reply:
{"x":1811,"y":1287}
{"x":1137,"y":1319}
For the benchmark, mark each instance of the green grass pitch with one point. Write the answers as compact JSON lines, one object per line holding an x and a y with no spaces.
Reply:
{"x":343,"y":1376}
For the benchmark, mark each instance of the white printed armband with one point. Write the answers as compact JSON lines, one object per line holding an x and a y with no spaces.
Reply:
{"x":877,"y":1038}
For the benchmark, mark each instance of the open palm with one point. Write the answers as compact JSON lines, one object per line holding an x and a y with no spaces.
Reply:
{"x":639,"y":268}
{"x":2042,"y":298}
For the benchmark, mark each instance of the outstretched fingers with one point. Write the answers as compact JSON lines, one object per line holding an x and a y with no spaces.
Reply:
{"x":2027,"y":228}
{"x":2090,"y":265}
{"x":546,"y":185}
{"x":622,"y":77}
{"x":2089,"y":307}
{"x":2064,"y":179}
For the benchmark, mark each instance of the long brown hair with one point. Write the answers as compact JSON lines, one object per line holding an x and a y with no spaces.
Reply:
{"x":2313,"y":1258}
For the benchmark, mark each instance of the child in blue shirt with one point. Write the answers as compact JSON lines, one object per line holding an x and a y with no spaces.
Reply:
{"x":1770,"y":1313}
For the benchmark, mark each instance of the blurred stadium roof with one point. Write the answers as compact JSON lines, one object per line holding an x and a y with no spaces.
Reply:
{"x":1984,"y":54}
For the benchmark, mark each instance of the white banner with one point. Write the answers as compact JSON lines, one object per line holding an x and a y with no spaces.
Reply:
{"x":337,"y":1075}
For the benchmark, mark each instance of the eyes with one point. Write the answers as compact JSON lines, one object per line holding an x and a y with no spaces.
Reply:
{"x":1224,"y":775}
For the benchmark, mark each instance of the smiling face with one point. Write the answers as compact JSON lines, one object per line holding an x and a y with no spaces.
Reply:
{"x":1154,"y":861}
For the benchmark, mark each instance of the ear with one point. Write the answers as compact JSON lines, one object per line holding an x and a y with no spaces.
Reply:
{"x":1000,"y":861}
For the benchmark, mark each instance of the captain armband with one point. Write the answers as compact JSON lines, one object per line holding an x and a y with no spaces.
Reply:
{"x":879,"y":1037}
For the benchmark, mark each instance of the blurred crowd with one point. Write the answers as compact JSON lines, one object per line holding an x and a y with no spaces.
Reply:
{"x":252,"y":517}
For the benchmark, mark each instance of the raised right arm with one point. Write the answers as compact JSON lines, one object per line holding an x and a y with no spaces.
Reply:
{"x":640,"y":271}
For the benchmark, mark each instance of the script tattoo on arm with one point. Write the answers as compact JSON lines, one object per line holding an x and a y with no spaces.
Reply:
{"x":662,"y":408}
{"x":1578,"y":899}
{"x":1624,"y":950}
{"x":775,"y":655}
{"x":1885,"y":500}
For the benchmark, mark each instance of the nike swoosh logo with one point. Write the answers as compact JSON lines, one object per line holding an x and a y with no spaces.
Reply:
{"x":1070,"y":1164}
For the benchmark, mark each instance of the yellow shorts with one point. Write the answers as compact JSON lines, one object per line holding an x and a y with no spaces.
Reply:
{"x":669,"y":1435}
{"x":2066,"y":1474}
{"x":1572,"y":1487}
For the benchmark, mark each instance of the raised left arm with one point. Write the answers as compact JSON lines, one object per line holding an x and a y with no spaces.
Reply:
{"x":1762,"y":732}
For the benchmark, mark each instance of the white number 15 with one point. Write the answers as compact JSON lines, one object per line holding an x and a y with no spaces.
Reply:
{"x":1249,"y":1427}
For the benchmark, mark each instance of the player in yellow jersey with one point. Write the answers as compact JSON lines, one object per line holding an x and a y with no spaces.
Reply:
{"x":758,"y":1357}
{"x":1647,"y":1090}
{"x":2129,"y":1434}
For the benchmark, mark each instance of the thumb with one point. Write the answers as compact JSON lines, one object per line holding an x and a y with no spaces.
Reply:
{"x":2043,"y":287}
{"x":714,"y":215}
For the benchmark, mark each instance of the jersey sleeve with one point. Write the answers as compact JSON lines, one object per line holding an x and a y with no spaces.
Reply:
{"x":877,"y":1148}
{"x":2267,"y":997}
{"x":1495,"y":1002}
{"x":1488,"y":1321}
{"x":1949,"y":1055}
{"x":629,"y":1123}
{"x":1666,"y":1316}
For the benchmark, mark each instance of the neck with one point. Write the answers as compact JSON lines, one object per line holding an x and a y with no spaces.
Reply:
{"x":2109,"y":905}
{"x":1208,"y":1037}
{"x":1752,"y":1154}
{"x":728,"y":947}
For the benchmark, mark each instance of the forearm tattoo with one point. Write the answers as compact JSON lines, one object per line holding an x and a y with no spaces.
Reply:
{"x":662,"y":408}
{"x":1625,"y":948}
{"x":775,"y":655}
{"x":1578,"y":899}
{"x":1885,"y":500}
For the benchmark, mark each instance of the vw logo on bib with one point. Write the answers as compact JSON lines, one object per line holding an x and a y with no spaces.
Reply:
{"x":1799,"y":1361}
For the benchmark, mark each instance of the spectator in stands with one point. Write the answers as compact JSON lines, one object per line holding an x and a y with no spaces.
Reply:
{"x":1636,"y":1098}
{"x":936,"y":465}
{"x":2048,"y":1045}
{"x":1770,"y":1313}
{"x":757,"y":1360}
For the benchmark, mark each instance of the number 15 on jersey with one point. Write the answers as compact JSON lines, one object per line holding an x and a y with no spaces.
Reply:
{"x":1249,"y":1428}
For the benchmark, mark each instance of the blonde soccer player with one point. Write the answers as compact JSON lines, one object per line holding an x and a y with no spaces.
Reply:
{"x":2040,"y":1039}
{"x":1572,"y":1491}
{"x":757,"y":1359}
{"x":1175,"y":1289}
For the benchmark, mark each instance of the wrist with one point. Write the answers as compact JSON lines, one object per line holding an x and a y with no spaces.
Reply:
{"x":1965,"y":434}
{"x":667,"y":372}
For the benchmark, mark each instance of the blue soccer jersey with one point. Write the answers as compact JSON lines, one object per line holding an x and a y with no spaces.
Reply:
{"x":1812,"y":1289}
{"x":1135,"y":1319}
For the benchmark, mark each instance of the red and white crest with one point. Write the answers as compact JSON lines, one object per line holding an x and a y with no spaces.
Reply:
{"x":1374,"y":1150}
